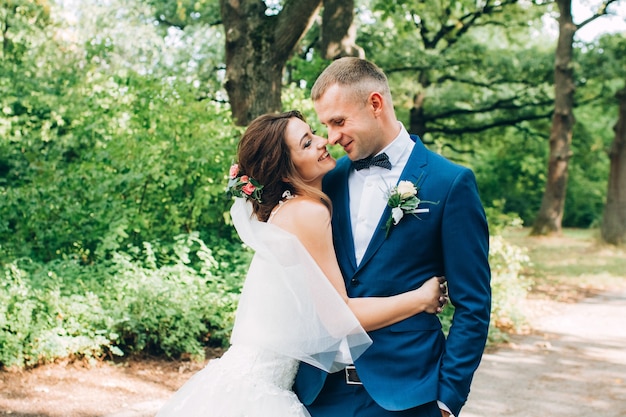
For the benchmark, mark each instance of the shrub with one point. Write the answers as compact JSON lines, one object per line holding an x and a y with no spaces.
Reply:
{"x":509,"y":286}
{"x":171,"y":301}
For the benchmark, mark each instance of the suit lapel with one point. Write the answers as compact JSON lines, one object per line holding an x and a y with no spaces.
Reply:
{"x":342,"y":226}
{"x":414,"y":171}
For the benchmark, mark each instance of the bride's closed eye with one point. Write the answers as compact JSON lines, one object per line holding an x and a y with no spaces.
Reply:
{"x":309,"y":142}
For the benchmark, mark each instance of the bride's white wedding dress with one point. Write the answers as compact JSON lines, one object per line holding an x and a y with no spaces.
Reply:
{"x":288,"y":312}
{"x":246,"y":381}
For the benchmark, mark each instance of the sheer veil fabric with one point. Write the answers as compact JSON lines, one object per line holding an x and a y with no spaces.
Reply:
{"x":287,"y":304}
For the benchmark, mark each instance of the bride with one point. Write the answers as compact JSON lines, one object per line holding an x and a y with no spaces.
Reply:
{"x":293,"y":305}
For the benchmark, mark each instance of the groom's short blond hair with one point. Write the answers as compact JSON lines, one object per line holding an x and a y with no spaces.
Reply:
{"x":362,"y":77}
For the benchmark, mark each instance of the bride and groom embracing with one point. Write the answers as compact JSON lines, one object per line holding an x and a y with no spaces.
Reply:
{"x":337,"y":316}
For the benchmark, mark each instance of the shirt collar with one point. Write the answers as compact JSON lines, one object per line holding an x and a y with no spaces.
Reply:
{"x":397,"y":148}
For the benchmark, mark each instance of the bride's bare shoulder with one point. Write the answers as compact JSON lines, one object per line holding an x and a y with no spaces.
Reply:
{"x":301,"y":212}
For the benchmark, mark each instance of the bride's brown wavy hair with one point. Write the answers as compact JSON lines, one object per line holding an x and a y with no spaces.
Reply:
{"x":264,"y":155}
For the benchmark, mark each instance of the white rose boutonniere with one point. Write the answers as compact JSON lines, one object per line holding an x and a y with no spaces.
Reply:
{"x":403,"y":200}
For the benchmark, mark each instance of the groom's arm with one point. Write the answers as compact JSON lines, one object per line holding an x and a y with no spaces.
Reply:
{"x":465,"y":241}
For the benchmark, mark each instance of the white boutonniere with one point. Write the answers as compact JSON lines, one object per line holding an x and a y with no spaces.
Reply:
{"x":403,"y":200}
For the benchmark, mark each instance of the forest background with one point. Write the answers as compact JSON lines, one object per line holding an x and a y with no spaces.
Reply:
{"x":119,"y":120}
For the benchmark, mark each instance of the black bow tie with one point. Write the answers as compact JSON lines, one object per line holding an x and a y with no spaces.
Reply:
{"x":381,"y":160}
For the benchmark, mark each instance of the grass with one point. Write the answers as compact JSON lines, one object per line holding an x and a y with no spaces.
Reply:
{"x":571,"y":266}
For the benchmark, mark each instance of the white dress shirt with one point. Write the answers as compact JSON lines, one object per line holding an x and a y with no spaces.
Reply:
{"x":368,"y":190}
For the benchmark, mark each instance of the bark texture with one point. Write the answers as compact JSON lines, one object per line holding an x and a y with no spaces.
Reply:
{"x":257,"y":48}
{"x":613,"y":227}
{"x":550,"y":215}
{"x":338,"y":38}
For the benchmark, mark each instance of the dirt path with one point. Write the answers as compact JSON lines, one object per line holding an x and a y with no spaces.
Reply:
{"x":572,"y":365}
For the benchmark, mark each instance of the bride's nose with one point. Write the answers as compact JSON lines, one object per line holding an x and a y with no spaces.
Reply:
{"x":322,"y":142}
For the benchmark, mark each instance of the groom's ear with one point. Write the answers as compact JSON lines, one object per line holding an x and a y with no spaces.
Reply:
{"x":376,"y":102}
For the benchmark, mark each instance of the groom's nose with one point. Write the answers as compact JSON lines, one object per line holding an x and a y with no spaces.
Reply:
{"x":333,"y":136}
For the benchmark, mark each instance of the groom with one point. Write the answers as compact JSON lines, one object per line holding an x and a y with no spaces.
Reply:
{"x":411,"y":369}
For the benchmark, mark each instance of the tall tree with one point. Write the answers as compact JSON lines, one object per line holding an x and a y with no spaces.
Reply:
{"x":550,"y":215}
{"x":338,"y":37}
{"x":613,"y":227}
{"x":258,"y":44}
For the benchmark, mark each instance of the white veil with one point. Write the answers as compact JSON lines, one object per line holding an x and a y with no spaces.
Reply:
{"x":287,"y":304}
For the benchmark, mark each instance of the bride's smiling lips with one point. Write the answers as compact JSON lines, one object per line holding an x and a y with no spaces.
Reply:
{"x":324,"y":156}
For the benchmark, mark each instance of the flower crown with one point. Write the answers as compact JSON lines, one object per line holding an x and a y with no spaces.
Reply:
{"x":243,"y":185}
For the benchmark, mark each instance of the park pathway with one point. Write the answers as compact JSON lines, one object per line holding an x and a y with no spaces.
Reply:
{"x":573,"y":365}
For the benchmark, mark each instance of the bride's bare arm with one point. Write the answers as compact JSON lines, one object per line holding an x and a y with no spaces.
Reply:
{"x":310,"y":222}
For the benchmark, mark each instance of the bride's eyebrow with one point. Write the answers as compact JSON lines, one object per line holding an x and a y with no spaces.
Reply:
{"x":306,"y":135}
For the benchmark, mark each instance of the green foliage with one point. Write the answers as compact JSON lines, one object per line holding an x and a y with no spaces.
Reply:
{"x":182,"y":13}
{"x":509,"y":286}
{"x":22,"y":24}
{"x":95,"y":161}
{"x":588,"y":171}
{"x":173,"y":306}
{"x":98,"y":162}
{"x":171,"y":301}
{"x":511,"y":172}
{"x":41,"y":320}
{"x":153,"y":170}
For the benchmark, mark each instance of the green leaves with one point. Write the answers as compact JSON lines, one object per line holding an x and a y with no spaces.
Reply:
{"x":163,"y":300}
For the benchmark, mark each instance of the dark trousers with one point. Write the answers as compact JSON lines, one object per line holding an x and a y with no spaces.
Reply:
{"x":339,"y":399}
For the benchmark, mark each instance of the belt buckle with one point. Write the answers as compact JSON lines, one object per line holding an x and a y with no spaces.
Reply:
{"x":352,"y":378}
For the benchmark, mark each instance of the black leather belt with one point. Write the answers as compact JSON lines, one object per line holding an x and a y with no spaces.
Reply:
{"x":352,"y":378}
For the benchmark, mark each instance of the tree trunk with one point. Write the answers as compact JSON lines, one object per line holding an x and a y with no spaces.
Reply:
{"x":338,"y":38}
{"x":613,"y":227}
{"x":257,"y":49}
{"x":550,"y":214}
{"x":417,"y":123}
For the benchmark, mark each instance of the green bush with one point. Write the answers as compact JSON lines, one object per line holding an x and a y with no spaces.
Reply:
{"x":167,"y":301}
{"x":509,"y":286}
{"x":40,"y":320}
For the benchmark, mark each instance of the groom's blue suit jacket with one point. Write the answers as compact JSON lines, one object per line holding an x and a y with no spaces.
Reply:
{"x":411,"y":363}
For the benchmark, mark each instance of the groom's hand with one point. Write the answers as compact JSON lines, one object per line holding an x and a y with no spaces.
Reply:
{"x":444,"y":413}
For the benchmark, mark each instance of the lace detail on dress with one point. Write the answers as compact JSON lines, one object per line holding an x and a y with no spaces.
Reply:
{"x":286,"y":197}
{"x":245,"y":382}
{"x":263,"y":366}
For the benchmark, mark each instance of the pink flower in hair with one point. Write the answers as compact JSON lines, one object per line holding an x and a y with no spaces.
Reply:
{"x":234,"y":170}
{"x":248,"y":188}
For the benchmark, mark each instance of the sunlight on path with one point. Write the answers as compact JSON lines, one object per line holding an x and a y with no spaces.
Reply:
{"x":573,"y":366}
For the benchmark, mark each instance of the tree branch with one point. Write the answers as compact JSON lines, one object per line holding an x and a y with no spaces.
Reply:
{"x":293,"y":22}
{"x":602,"y":11}
{"x":481,"y":128}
